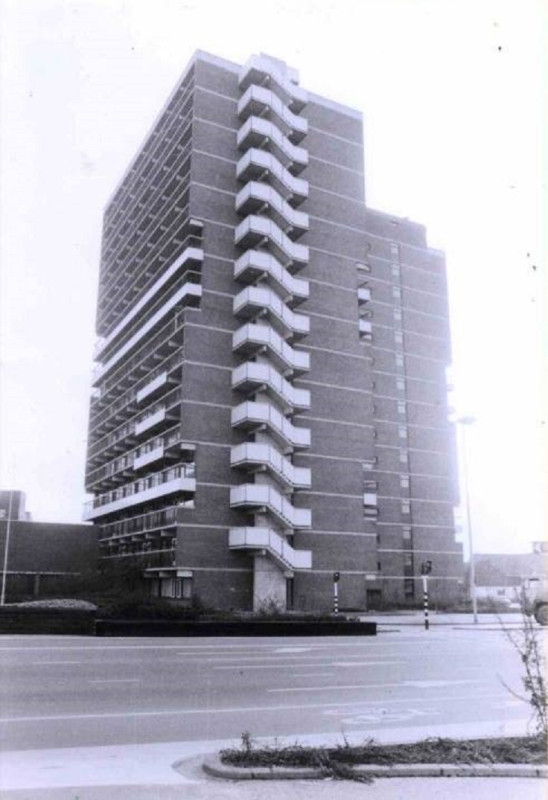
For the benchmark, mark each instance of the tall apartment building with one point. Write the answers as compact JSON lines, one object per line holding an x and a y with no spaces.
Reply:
{"x":269,"y":403}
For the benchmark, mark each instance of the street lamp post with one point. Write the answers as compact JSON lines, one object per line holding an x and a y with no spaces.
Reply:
{"x":6,"y":551}
{"x":466,"y":421}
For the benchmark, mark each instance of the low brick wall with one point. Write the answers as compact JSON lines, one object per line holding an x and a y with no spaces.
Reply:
{"x":117,"y":627}
{"x":75,"y":622}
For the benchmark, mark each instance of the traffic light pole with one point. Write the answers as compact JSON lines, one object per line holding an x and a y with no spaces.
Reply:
{"x":425,"y":601}
{"x":336,"y":576}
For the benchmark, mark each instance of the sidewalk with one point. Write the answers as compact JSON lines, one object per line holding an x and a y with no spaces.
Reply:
{"x":388,"y":789}
{"x":146,"y":772}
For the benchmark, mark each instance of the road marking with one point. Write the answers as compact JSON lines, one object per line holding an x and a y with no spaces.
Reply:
{"x":116,"y":680}
{"x":50,"y":663}
{"x":243,"y":709}
{"x":292,"y":649}
{"x":366,"y":686}
{"x":382,"y":715}
{"x":326,"y":663}
{"x":311,"y":674}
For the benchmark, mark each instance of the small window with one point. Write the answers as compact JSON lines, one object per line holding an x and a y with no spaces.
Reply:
{"x":404,"y":481}
{"x":370,"y":486}
{"x":405,"y":507}
{"x":400,"y":385}
{"x":399,"y":361}
{"x":406,"y":533}
{"x":402,"y":432}
{"x":395,"y":270}
{"x":398,"y":337}
{"x":401,"y":407}
{"x":396,"y":292}
{"x":369,"y":463}
{"x":398,"y":314}
{"x":394,"y":248}
{"x":379,"y":566}
{"x":403,"y":456}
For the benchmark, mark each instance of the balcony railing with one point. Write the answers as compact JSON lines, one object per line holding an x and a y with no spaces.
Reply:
{"x":261,"y":102}
{"x":255,"y":196}
{"x":255,"y":163}
{"x":176,"y":479}
{"x":258,"y":538}
{"x":191,"y":254}
{"x":251,"y":454}
{"x":252,"y":376}
{"x":257,"y":132}
{"x":143,"y":523}
{"x":259,"y":69}
{"x":251,"y":337}
{"x":253,"y":265}
{"x":254,"y":230}
{"x":250,"y":415}
{"x":188,"y":290}
{"x":253,"y":496}
{"x":256,"y":299}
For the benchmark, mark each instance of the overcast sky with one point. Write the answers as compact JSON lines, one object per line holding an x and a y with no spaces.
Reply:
{"x":452,"y":98}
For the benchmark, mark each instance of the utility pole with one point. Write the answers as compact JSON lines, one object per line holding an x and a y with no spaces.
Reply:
{"x":6,"y":551}
{"x":465,"y":421}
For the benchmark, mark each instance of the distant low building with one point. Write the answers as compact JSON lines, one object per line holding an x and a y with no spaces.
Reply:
{"x":12,"y":505}
{"x":44,"y":558}
{"x":500,"y":575}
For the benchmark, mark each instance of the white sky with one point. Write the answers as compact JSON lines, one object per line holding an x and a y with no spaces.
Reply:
{"x":452,"y":96}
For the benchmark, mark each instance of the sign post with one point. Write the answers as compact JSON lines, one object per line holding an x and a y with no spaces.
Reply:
{"x":336,"y":577}
{"x":426,"y":569}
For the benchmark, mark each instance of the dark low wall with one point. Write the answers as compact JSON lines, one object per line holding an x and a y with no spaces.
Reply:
{"x":75,"y":622}
{"x":234,"y":628}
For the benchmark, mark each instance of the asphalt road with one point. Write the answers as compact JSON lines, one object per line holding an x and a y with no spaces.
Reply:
{"x":62,"y":692}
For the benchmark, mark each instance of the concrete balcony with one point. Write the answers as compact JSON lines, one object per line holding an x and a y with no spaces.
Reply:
{"x":187,"y":290}
{"x":152,"y":388}
{"x":364,"y":294}
{"x":254,"y":231}
{"x":251,"y":455}
{"x":258,"y":164}
{"x":365,"y":328}
{"x":190,"y":256}
{"x":256,"y":300}
{"x":261,"y":70}
{"x":255,"y":196}
{"x":256,"y":265}
{"x":152,"y":487}
{"x":252,"y":338}
{"x":261,"y":102}
{"x":251,"y":415}
{"x":257,"y":132}
{"x":252,"y":377}
{"x":256,"y":538}
{"x":151,"y":421}
{"x":157,"y":454}
{"x":255,"y":496}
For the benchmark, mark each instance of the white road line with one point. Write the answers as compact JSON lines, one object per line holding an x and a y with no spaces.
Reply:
{"x":243,"y":709}
{"x":116,"y":680}
{"x":402,"y":684}
{"x":50,"y":663}
{"x":101,"y":647}
{"x":309,"y":664}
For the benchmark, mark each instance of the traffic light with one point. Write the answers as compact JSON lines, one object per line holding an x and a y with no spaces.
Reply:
{"x":426,"y":568}
{"x":336,"y":576}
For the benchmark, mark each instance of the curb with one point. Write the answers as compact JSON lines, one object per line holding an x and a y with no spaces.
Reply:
{"x":214,"y":767}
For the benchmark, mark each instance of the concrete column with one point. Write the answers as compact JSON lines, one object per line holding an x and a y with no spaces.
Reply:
{"x":269,"y":583}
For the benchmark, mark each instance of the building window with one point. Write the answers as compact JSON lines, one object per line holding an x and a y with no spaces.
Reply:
{"x":401,"y":407}
{"x":399,"y":361}
{"x":402,"y":432}
{"x":369,"y":463}
{"x":394,"y":248}
{"x":403,"y":456}
{"x":405,"y":507}
{"x":398,"y":314}
{"x":396,"y":292}
{"x":363,"y":266}
{"x":370,"y":486}
{"x":400,"y":385}
{"x":398,"y":337}
{"x":379,"y":566}
{"x":396,"y":270}
{"x":406,"y":533}
{"x":404,"y":481}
